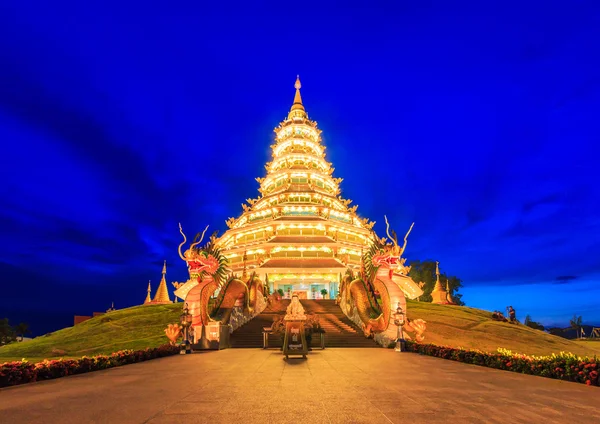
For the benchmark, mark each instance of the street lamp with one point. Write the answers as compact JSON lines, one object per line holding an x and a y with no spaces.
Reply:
{"x":399,"y":321}
{"x":186,"y":322}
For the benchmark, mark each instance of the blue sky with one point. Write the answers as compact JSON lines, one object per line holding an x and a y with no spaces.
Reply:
{"x":477,"y":121}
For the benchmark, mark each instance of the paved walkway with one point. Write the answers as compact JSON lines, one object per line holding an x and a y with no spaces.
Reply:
{"x":331,"y":386}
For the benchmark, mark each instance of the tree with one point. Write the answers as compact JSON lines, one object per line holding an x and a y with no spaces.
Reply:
{"x":532,"y":324}
{"x":7,"y":333}
{"x":21,"y":329}
{"x":576,"y":323}
{"x":425,"y":271}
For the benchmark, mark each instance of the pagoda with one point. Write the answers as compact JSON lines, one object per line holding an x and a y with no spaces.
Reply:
{"x":440,"y":295}
{"x":299,"y":234}
{"x":162,"y":293}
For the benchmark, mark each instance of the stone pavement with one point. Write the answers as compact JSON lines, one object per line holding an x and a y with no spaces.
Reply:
{"x":331,"y":386}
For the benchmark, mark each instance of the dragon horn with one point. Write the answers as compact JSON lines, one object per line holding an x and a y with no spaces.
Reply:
{"x":387,"y":230}
{"x":199,"y":241}
{"x":406,"y":236}
{"x":182,"y":243}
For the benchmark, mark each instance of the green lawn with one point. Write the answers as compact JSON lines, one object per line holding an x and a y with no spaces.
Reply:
{"x":143,"y":326}
{"x":589,"y":343}
{"x":132,"y":328}
{"x":460,"y":326}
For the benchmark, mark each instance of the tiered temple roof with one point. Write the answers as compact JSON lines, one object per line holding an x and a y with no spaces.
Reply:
{"x":299,"y":225}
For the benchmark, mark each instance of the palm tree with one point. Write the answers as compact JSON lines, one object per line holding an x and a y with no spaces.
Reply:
{"x":21,"y":329}
{"x":576,"y":323}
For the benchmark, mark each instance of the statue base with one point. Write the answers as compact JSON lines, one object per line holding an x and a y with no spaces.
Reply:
{"x":214,"y":336}
{"x":294,"y":342}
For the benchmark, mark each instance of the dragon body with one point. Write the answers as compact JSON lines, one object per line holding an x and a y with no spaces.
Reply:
{"x":208,"y":273}
{"x":382,"y":285}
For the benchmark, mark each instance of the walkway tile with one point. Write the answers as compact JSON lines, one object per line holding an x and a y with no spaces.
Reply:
{"x":332,"y":386}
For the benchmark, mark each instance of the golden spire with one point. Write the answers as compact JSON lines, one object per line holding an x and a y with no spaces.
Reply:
{"x":148,"y":298}
{"x":438,"y":294}
{"x":162,"y":294}
{"x":448,"y":292}
{"x":297,"y":110}
{"x":438,"y":284}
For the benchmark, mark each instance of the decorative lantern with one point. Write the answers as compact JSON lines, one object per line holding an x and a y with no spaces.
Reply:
{"x":399,"y":321}
{"x":186,"y":322}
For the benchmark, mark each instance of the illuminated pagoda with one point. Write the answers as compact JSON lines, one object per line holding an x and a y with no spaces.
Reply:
{"x":162,"y":293}
{"x":300,"y":235}
{"x":440,"y":295}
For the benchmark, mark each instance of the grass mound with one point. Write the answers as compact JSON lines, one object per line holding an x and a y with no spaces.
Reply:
{"x":140,"y":327}
{"x":470,"y":328}
{"x":135,"y":328}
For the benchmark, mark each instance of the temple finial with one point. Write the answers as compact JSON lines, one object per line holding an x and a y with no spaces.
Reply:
{"x":148,"y":298}
{"x":164,"y":268}
{"x":297,"y":110}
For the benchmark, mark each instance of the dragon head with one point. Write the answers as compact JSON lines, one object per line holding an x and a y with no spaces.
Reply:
{"x":388,"y":255}
{"x":203,"y":261}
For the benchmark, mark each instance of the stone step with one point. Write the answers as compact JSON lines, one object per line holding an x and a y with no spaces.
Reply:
{"x":339,"y":330}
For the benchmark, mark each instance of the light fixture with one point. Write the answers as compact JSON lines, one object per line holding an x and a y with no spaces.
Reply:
{"x":399,"y":321}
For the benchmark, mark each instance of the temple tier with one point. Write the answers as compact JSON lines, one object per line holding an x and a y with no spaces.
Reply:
{"x":300,"y":235}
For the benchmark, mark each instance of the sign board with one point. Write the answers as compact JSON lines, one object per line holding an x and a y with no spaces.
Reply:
{"x":294,"y":342}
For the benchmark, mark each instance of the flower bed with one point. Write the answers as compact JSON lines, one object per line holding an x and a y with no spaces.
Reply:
{"x":20,"y":372}
{"x":564,"y":366}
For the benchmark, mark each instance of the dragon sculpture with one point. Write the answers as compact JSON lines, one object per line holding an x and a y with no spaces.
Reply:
{"x":370,"y":298}
{"x":208,"y":271}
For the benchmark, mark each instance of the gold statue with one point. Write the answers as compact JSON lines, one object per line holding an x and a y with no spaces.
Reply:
{"x":173,"y":332}
{"x":295,"y":310}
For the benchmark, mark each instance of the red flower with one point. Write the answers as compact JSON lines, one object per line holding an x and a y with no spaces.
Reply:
{"x":588,"y":382}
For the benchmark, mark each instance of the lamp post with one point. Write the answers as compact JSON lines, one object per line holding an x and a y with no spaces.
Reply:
{"x":399,"y":321}
{"x":186,"y":322}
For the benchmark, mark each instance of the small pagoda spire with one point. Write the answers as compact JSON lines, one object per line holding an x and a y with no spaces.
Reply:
{"x":438,"y":284}
{"x":148,"y":298}
{"x":438,"y":294}
{"x":162,"y":293}
{"x":449,"y":293}
{"x":297,"y":110}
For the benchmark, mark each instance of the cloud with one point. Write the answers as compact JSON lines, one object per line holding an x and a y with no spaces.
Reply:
{"x":564,"y":279}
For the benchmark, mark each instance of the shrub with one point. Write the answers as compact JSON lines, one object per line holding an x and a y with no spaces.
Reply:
{"x":564,"y":366}
{"x":20,"y":372}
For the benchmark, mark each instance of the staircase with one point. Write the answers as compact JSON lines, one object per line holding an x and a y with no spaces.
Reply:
{"x":339,"y":330}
